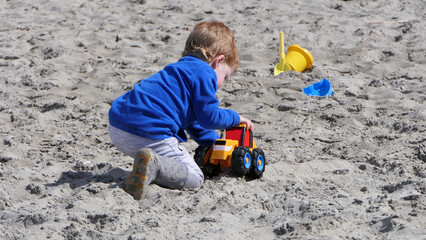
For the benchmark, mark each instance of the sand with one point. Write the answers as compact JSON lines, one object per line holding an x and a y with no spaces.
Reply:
{"x":347,"y":166}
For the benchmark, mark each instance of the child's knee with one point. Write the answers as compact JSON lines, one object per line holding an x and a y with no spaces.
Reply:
{"x":194,"y":180}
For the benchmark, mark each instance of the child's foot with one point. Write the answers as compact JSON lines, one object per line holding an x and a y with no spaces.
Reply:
{"x":143,"y":173}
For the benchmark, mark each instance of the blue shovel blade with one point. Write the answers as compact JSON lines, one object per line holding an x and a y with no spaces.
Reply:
{"x":320,"y":89}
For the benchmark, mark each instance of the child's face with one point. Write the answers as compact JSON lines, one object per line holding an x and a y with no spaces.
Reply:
{"x":223,"y":71}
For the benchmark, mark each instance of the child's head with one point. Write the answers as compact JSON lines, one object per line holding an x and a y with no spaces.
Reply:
{"x":211,"y":39}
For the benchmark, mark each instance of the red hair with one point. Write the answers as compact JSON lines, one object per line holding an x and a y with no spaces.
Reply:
{"x":211,"y":39}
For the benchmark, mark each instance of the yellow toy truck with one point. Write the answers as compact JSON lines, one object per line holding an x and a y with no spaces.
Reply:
{"x":234,"y":149}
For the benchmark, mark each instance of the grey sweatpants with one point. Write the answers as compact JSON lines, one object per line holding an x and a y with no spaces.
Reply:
{"x":169,"y":148}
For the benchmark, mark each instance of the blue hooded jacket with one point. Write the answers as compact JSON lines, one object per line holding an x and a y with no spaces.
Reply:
{"x":180,"y":97}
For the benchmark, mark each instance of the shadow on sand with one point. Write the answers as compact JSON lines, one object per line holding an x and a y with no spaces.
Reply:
{"x":98,"y":174}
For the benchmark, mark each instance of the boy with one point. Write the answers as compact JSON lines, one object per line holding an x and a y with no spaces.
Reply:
{"x":148,"y":122}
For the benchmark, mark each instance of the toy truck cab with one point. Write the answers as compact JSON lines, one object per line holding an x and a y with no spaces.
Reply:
{"x":235,"y":149}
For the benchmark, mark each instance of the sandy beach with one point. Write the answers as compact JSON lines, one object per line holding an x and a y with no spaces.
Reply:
{"x":347,"y":166}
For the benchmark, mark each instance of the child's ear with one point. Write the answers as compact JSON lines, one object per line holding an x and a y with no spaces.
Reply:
{"x":217,"y":61}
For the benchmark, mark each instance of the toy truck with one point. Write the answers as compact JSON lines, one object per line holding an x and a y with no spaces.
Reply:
{"x":234,"y":149}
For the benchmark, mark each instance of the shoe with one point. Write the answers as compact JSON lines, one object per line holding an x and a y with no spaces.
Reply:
{"x":145,"y":168}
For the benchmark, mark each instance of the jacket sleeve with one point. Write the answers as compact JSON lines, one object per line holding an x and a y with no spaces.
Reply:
{"x":206,"y":106}
{"x":204,"y":137}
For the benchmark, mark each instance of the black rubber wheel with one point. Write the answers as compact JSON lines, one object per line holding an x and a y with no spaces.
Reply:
{"x":200,"y":152}
{"x":208,"y":169}
{"x":241,"y":160}
{"x":258,"y":163}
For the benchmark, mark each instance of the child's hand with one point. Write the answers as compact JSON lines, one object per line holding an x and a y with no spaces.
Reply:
{"x":248,"y":123}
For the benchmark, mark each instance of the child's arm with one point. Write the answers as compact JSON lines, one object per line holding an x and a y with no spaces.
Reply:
{"x":206,"y":107}
{"x":204,"y":137}
{"x":248,"y":123}
{"x":207,"y":111}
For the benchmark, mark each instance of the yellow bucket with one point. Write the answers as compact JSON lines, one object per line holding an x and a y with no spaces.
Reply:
{"x":298,"y":58}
